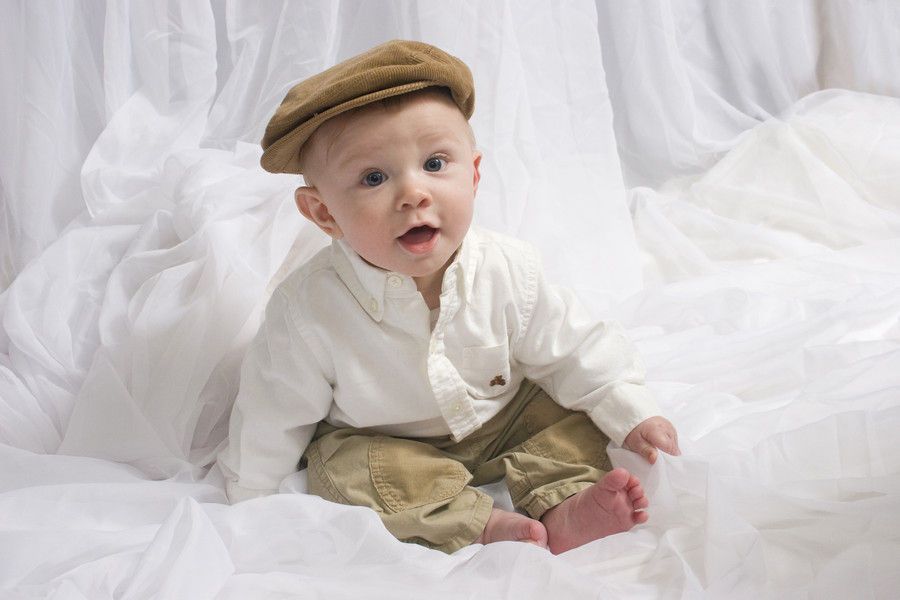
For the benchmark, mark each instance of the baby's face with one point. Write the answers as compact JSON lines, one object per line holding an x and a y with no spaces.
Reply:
{"x":399,"y":182}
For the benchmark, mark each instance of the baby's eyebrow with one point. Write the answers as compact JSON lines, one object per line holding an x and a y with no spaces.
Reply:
{"x":351,"y":156}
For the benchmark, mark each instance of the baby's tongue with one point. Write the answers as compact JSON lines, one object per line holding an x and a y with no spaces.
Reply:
{"x":418,"y":235}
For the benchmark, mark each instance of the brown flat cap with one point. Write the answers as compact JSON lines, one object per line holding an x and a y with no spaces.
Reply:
{"x":394,"y":68}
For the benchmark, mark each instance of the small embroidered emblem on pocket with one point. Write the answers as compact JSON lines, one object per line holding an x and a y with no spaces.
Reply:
{"x":498,"y":380}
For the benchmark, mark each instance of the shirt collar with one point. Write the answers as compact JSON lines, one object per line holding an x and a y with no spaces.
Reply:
{"x":367,"y":283}
{"x":467,"y":259}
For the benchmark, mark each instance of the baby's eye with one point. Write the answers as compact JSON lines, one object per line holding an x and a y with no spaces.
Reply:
{"x":434,"y":164}
{"x":373,"y":179}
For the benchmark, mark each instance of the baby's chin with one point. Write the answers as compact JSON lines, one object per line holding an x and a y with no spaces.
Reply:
{"x":426,"y":268}
{"x":414,"y":266}
{"x":414,"y":271}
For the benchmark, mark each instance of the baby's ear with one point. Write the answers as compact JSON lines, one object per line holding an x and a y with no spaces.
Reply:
{"x":476,"y":159}
{"x":310,"y":204}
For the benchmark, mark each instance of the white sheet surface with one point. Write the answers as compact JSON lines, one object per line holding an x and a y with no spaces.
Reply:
{"x":675,"y":162}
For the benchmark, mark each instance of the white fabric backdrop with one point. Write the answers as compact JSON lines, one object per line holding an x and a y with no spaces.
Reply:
{"x":673,"y":162}
{"x":688,"y":77}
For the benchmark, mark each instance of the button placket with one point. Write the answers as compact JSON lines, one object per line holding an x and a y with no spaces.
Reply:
{"x":446,"y":383}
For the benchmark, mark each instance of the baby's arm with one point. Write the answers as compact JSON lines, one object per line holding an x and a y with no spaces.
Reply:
{"x":283,"y":395}
{"x":653,"y":433}
{"x":583,"y":363}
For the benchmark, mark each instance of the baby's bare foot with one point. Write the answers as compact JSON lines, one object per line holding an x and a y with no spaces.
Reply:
{"x":505,"y":526}
{"x":609,"y":506}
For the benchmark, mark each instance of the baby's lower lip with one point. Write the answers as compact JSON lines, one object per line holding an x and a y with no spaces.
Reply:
{"x":419,"y":240}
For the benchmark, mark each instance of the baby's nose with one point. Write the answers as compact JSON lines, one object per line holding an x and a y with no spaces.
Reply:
{"x":413,"y":195}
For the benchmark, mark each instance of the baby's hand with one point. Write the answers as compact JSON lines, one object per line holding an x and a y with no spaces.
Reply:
{"x":655,"y":432}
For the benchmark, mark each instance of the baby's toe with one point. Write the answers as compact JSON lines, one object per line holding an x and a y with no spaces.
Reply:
{"x":617,"y":479}
{"x":633,"y":481}
{"x":636,"y":492}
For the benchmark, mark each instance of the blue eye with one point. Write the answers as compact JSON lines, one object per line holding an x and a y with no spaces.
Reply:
{"x":434,"y":164}
{"x":373,"y":179}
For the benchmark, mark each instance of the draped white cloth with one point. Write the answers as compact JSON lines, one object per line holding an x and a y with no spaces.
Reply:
{"x":724,"y":178}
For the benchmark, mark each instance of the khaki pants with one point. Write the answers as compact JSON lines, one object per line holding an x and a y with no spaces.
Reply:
{"x":423,"y":488}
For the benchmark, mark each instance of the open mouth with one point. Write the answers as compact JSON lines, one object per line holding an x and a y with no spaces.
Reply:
{"x":419,"y":239}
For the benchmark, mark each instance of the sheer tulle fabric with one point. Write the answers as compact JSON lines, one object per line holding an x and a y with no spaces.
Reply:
{"x":690,"y":168}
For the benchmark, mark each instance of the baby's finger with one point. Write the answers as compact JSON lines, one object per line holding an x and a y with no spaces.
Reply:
{"x":664,"y":440}
{"x":676,"y":449}
{"x":646,"y":450}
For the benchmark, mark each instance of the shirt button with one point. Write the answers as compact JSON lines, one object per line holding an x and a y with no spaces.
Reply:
{"x":457,"y":408}
{"x":394,"y":281}
{"x":373,"y":304}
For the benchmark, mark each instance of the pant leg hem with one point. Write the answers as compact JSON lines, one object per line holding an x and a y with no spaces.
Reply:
{"x":470,"y":530}
{"x":536,"y":504}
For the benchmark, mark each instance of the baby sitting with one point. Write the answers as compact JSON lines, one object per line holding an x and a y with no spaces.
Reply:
{"x":418,"y":357}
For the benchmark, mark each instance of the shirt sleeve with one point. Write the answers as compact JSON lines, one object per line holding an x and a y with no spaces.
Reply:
{"x":283,"y":395}
{"x":584,"y":364}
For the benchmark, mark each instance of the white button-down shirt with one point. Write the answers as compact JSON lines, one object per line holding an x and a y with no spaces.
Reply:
{"x":356,"y":346}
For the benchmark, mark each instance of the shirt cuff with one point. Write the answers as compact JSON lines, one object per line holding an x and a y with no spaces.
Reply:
{"x":622,"y":409}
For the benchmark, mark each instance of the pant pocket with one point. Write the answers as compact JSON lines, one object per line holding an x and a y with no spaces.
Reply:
{"x":564,"y":435}
{"x":409,"y":474}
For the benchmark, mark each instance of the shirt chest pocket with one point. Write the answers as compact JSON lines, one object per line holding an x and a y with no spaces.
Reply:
{"x":485,"y":369}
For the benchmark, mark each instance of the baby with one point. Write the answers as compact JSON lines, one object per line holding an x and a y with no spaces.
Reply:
{"x":418,"y":358}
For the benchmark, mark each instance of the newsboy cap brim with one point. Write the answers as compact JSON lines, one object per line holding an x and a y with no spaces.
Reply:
{"x":391,"y":69}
